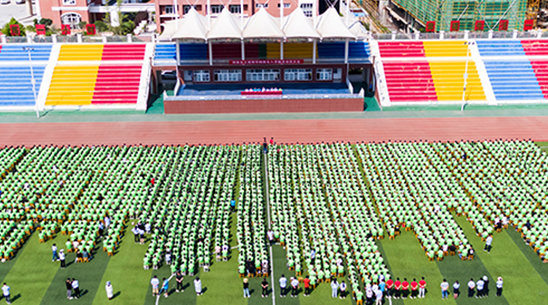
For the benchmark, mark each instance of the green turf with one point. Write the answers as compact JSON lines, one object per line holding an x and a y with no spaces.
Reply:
{"x":407,"y":260}
{"x":6,"y":266}
{"x":371,"y":104}
{"x":508,"y":261}
{"x":157,"y":104}
{"x":528,"y":252}
{"x":32,"y":273}
{"x":89,"y":277}
{"x":130,"y":259}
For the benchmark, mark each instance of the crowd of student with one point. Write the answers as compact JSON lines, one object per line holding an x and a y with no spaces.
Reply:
{"x":478,"y":289}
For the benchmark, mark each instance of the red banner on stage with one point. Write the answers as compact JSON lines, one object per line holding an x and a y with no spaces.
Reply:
{"x":479,"y":26}
{"x":266,"y":61}
{"x":65,"y":29}
{"x":455,"y":26}
{"x":15,"y":30}
{"x":40,"y":29}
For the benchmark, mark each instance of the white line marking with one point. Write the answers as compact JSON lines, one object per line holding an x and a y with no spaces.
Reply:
{"x":158,"y":296}
{"x":269,"y":225}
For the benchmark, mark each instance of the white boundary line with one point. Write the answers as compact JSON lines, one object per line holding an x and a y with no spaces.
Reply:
{"x":269,"y":224}
{"x":158,"y":296}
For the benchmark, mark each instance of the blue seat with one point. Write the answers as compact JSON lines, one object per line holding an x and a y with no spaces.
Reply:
{"x":10,"y":52}
{"x":193,"y":51}
{"x":500,"y":48}
{"x":165,"y":52}
{"x":513,"y":80}
{"x":16,"y":85}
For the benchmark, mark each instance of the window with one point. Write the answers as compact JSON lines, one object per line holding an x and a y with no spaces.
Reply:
{"x":216,"y":9}
{"x":297,"y":74}
{"x":201,"y":75}
{"x":69,"y":2}
{"x":259,"y":5}
{"x":324,"y":74}
{"x":307,"y":9}
{"x":286,"y":5}
{"x":235,"y":9}
{"x":187,"y":8}
{"x":262,"y":75}
{"x":169,"y":9}
{"x":228,"y":75}
{"x":72,"y":19}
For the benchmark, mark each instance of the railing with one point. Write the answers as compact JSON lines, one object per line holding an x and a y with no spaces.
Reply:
{"x":78,"y":38}
{"x":265,"y":97}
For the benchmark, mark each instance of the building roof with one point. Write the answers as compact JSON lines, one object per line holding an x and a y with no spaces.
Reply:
{"x":331,"y":26}
{"x":262,"y":25}
{"x":297,"y":25}
{"x":225,"y":26}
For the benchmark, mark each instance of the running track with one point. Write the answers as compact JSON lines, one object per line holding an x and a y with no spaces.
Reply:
{"x":283,"y":131}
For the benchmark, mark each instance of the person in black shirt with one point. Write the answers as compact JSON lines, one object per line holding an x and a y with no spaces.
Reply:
{"x":68,"y":284}
{"x":264,"y":285}
{"x":179,"y":279}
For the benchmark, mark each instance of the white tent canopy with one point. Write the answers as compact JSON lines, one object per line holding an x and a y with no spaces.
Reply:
{"x":225,"y":26}
{"x":331,"y":26}
{"x":263,"y":25}
{"x":297,"y":25}
{"x":194,"y":26}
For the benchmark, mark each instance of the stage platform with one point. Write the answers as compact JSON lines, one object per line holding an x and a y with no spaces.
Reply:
{"x":227,"y":98}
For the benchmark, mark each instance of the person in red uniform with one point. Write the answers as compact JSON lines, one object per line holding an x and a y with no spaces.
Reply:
{"x":306,"y":286}
{"x":397,"y":287}
{"x":414,"y":287}
{"x":404,"y":288}
{"x":389,"y":290}
{"x":422,"y":288}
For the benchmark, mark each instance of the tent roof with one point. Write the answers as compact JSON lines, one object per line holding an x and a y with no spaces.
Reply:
{"x":262,"y":25}
{"x":225,"y":26}
{"x":170,"y":27}
{"x":359,"y":30}
{"x":297,"y":25}
{"x":330,"y":25}
{"x":194,"y":26}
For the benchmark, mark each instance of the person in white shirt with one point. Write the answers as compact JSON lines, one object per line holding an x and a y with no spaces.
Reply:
{"x":54,"y":252}
{"x":334,"y":288}
{"x":499,"y":286}
{"x":444,"y":289}
{"x":198,"y":286}
{"x":342,"y":287}
{"x":488,"y":242}
{"x":76,"y":288}
{"x":479,"y":288}
{"x":109,"y":290}
{"x":155,"y":283}
{"x":6,"y":292}
{"x":270,"y":235}
{"x":62,"y":258}
{"x":283,"y":285}
{"x":471,"y":286}
{"x":378,"y":297}
{"x":456,"y":289}
{"x":294,"y":287}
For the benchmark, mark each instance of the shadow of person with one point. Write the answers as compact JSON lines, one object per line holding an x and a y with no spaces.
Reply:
{"x":84,"y":292}
{"x":15,"y":297}
{"x":204,"y":290}
{"x":116,"y":294}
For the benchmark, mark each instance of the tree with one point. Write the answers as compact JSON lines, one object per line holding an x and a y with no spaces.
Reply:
{"x":6,"y":28}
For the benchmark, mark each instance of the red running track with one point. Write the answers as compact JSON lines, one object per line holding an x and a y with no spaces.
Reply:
{"x":283,"y":131}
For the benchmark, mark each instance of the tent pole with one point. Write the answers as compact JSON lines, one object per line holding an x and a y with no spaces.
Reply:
{"x":346,"y":43}
{"x":210,"y":47}
{"x":178,"y":52}
{"x":243,"y":50}
{"x":282,"y":49}
{"x":314,"y":47}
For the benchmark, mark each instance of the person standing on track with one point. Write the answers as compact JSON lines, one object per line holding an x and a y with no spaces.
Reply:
{"x":54,"y":257}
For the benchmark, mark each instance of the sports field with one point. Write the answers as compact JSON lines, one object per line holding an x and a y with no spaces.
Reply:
{"x":241,"y":174}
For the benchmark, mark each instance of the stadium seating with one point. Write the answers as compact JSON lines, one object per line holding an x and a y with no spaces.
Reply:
{"x":193,"y":51}
{"x":100,"y":52}
{"x":500,"y":48}
{"x":514,"y":80}
{"x":409,"y":81}
{"x":16,"y":85}
{"x":448,"y":78}
{"x":165,"y":52}
{"x":291,"y":50}
{"x":535,"y":47}
{"x":94,"y":84}
{"x":448,"y":48}
{"x":541,"y":71}
{"x":401,"y":48}
{"x":11,"y":52}
{"x":335,"y":50}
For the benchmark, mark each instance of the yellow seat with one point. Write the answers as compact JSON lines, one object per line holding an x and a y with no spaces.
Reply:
{"x":79,"y":52}
{"x":449,"y":82}
{"x":452,"y":48}
{"x":72,"y":85}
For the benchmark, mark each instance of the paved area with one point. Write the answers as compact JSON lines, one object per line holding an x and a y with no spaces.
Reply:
{"x":18,"y":11}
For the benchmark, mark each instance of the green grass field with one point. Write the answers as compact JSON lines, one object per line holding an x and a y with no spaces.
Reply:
{"x":35,"y":279}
